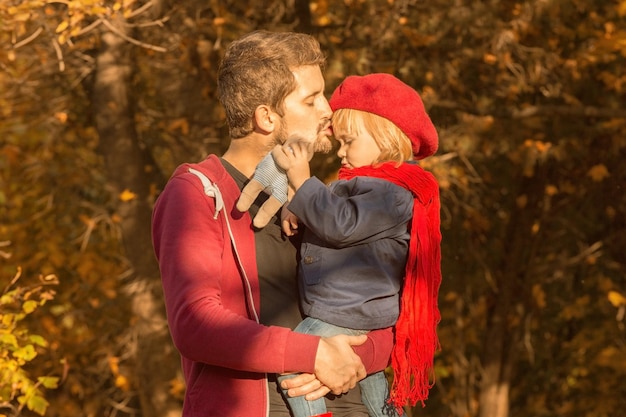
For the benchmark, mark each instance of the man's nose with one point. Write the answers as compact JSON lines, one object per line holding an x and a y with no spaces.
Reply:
{"x":327,"y":112}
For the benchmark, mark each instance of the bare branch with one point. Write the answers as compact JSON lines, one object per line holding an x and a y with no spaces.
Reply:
{"x":159,"y":23}
{"x":572,"y":111}
{"x":59,"y":53}
{"x":132,"y":40}
{"x":533,"y":111}
{"x":17,"y":276}
{"x":28,"y":39}
{"x":89,"y":27}
{"x":141,"y":9}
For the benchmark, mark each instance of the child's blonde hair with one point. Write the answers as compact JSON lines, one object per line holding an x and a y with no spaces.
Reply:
{"x":394,"y":144}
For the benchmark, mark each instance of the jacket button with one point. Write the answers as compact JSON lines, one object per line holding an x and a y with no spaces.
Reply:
{"x":308,"y":260}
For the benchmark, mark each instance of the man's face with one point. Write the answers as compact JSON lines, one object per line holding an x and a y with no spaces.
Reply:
{"x":307,"y":113}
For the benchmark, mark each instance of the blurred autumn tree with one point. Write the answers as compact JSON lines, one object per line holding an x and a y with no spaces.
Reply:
{"x":100,"y":100}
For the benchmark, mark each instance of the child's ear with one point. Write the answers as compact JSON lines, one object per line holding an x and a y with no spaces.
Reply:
{"x":265,"y":118}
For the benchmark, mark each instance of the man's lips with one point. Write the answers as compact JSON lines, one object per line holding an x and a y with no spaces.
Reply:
{"x":327,"y":129}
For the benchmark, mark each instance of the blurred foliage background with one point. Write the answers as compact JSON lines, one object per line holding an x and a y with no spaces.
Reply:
{"x":100,"y":100}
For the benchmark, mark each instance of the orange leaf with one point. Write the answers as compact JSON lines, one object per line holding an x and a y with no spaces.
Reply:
{"x":598,"y":172}
{"x":616,"y":299}
{"x":127,"y":195}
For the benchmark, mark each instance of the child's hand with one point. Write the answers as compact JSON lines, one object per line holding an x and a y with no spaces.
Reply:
{"x":289,"y":221}
{"x":294,"y":159}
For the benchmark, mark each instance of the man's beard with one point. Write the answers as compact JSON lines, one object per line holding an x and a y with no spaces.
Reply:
{"x":282,"y":136}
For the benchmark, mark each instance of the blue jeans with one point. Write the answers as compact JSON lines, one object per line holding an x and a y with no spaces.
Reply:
{"x":374,"y":388}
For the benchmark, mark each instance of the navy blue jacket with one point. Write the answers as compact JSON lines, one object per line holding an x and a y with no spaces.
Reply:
{"x":354,"y":250}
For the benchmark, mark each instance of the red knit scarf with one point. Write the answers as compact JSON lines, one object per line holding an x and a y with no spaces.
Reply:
{"x":416,"y":341}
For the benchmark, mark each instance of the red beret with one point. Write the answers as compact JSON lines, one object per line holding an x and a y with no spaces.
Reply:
{"x":386,"y":96}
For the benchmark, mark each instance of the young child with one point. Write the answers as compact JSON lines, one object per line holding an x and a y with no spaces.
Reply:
{"x":370,"y":256}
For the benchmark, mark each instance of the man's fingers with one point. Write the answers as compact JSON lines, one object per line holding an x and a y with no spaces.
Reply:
{"x":304,"y":384}
{"x":305,"y":389}
{"x":297,"y":381}
{"x":318,"y":393}
{"x":336,"y":364}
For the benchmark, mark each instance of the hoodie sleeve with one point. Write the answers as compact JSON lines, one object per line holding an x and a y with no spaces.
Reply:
{"x":209,"y":319}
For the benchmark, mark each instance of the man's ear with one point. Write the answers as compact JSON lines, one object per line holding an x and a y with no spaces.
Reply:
{"x":265,"y":118}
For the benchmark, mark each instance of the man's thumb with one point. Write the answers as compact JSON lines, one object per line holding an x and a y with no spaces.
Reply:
{"x":357,"y":340}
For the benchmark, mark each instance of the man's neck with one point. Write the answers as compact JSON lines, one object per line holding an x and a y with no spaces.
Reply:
{"x":245,"y":154}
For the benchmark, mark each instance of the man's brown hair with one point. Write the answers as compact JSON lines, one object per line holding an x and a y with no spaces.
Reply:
{"x":257,"y":70}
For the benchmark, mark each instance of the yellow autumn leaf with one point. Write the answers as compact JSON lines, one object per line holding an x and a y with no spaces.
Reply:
{"x":611,"y":212}
{"x":22,"y":17}
{"x":29,"y":306}
{"x":551,"y":190}
{"x":535,"y":228}
{"x":598,"y":172}
{"x":323,"y":20}
{"x":62,"y":26}
{"x":127,"y":195}
{"x":114,"y":365}
{"x":621,"y":8}
{"x":539,"y":296}
{"x":50,"y":382}
{"x":610,"y":357}
{"x":122,"y":382}
{"x":61,"y":116}
{"x":542,"y":147}
{"x":180,"y":123}
{"x":177,"y":387}
{"x":490,"y":59}
{"x":616,"y":298}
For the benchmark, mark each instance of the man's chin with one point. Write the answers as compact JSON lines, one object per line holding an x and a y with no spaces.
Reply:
{"x":323,"y":143}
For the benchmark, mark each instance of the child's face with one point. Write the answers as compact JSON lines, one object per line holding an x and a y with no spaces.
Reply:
{"x":356,"y":150}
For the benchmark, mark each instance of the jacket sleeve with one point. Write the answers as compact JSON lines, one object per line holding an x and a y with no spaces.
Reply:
{"x":207,"y":323}
{"x":355,"y":212}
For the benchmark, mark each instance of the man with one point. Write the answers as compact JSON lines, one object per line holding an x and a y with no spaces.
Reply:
{"x":229,"y":287}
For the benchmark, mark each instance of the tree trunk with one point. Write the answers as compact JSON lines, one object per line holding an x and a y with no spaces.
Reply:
{"x":495,"y":377}
{"x":510,"y":305}
{"x":127,"y":167}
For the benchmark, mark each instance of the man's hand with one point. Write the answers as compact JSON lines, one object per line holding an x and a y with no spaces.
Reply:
{"x":305,"y":384}
{"x":336,"y":364}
